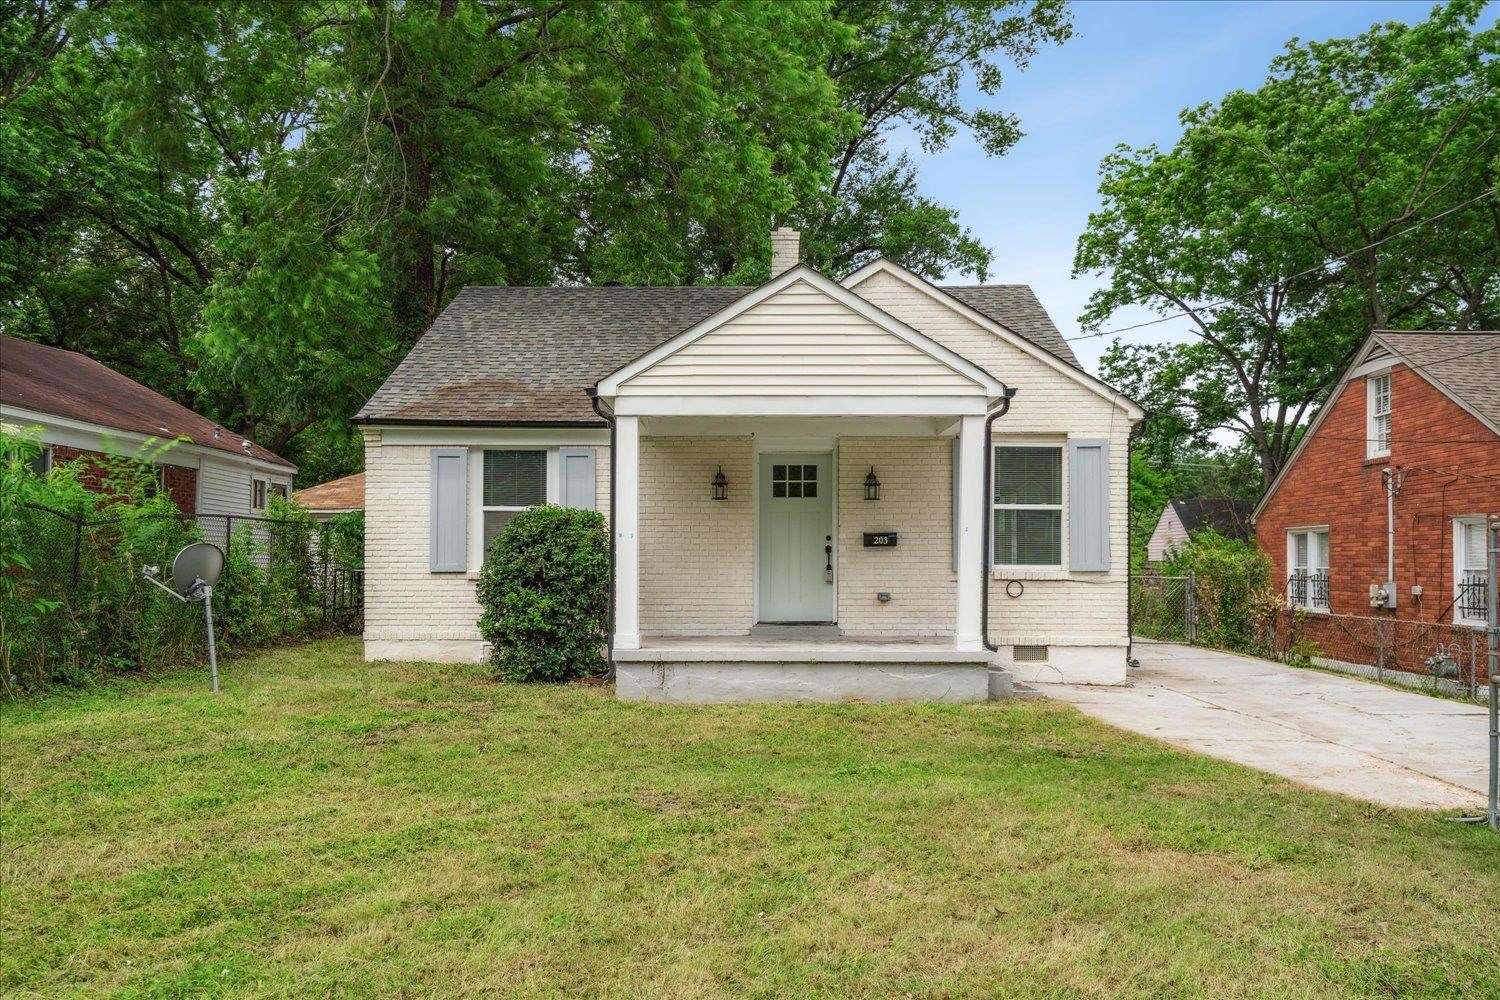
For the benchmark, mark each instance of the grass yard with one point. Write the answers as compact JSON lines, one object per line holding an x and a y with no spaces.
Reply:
{"x":329,"y":827}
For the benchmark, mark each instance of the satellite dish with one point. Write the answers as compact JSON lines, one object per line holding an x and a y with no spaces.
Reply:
{"x":197,"y":566}
{"x":194,"y":573}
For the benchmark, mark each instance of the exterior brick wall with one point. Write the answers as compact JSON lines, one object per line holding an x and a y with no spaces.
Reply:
{"x":916,"y":499}
{"x":181,"y":482}
{"x":1333,"y":484}
{"x":696,"y":552}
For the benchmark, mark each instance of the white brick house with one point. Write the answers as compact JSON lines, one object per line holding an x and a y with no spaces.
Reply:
{"x":994,"y":541}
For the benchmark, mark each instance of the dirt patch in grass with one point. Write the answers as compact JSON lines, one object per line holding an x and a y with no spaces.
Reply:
{"x":331,"y":826}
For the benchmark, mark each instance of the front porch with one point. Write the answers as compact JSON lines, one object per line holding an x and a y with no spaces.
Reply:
{"x":801,"y":664}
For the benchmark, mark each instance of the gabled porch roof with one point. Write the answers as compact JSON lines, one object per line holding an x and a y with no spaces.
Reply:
{"x":791,"y":346}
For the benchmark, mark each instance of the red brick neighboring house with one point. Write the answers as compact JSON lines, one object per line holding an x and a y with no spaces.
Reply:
{"x":1421,"y":411}
{"x":82,"y":408}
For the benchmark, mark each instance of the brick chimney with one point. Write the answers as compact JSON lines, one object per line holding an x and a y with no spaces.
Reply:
{"x":786,"y":250}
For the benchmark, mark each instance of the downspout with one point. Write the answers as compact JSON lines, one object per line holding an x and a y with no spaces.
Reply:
{"x":609,"y":418}
{"x":989,"y":519}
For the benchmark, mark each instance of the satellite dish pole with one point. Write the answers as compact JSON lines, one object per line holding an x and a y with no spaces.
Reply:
{"x":195,"y":570}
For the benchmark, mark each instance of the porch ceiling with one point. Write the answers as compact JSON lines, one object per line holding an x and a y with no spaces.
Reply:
{"x":770,"y":429}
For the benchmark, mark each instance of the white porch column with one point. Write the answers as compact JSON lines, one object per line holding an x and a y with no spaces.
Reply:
{"x":972,"y":510}
{"x":626,"y":517}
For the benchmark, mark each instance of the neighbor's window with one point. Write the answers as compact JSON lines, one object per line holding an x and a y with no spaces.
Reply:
{"x":513,"y":481}
{"x":257,"y":494}
{"x":1307,"y":568}
{"x":1378,"y":436}
{"x":1028,"y":506}
{"x":1470,"y":571}
{"x":279,"y":490}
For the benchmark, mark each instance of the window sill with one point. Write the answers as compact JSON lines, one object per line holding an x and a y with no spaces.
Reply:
{"x":1473,"y":623}
{"x":1377,"y":459}
{"x":1029,"y":573}
{"x":1307,"y":609}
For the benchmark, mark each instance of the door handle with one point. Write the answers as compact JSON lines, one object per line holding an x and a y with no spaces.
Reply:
{"x":828,"y":559}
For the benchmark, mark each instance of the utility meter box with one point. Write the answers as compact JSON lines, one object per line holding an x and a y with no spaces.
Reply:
{"x":1383,"y":595}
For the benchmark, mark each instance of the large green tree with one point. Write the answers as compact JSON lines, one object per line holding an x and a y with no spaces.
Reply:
{"x":1354,"y":190}
{"x":258,"y":207}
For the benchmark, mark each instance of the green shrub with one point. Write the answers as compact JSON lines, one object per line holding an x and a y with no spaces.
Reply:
{"x":73,"y":605}
{"x":1230,"y":574}
{"x":544,"y":590}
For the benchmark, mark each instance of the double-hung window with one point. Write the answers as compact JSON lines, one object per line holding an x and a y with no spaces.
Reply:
{"x":1378,"y":407}
{"x":257,"y":494}
{"x":1470,"y":571}
{"x":1307,"y":568}
{"x":513,"y":481}
{"x":1028,"y":506}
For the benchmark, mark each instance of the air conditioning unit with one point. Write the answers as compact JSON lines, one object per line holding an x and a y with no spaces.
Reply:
{"x":1383,"y":595}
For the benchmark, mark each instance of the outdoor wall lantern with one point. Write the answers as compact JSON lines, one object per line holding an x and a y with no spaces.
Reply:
{"x":872,"y":485}
{"x":721,"y":485}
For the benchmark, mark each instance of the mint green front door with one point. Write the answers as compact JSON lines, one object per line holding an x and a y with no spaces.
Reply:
{"x":796,"y":535}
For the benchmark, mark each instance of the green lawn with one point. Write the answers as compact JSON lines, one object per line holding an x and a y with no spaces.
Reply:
{"x":328,"y":827}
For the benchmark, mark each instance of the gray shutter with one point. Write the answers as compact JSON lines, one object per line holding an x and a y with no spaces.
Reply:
{"x":577,"y":477}
{"x":1088,"y":506}
{"x":450,"y":510}
{"x":955,"y":505}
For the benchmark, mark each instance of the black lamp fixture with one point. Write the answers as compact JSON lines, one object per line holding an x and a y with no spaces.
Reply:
{"x":872,"y":485}
{"x":721,"y":485}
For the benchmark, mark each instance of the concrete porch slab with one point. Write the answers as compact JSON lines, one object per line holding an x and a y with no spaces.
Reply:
{"x":741,"y":680}
{"x":800,"y":649}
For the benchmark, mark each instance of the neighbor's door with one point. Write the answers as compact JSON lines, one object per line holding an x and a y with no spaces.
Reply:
{"x":796,"y":532}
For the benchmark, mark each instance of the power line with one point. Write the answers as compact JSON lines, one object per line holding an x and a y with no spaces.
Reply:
{"x":1301,"y":274}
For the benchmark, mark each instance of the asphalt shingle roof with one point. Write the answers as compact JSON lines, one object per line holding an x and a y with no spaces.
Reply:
{"x":1230,"y":518}
{"x":501,"y":354}
{"x":68,"y":384}
{"x":1466,"y":364}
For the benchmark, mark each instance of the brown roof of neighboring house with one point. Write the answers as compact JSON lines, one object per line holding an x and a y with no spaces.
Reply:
{"x":519,"y":355}
{"x":347,"y":493}
{"x":68,"y":384}
{"x":1467,"y":365}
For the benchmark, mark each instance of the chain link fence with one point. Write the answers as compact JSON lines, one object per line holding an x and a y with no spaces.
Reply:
{"x":1450,"y":657}
{"x":73,"y":602}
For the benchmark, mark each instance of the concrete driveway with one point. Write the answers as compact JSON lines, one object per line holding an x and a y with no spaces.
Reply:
{"x":1335,"y":733}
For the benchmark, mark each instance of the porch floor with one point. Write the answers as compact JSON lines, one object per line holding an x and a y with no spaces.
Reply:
{"x":810,"y":648}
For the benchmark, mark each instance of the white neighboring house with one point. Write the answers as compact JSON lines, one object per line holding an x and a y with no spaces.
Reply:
{"x":995,"y":538}
{"x":84,"y":409}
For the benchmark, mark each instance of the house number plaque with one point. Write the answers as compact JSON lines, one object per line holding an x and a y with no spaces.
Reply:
{"x":880,"y":539}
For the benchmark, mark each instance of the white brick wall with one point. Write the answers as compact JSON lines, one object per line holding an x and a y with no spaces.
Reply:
{"x":696,"y":552}
{"x":916,"y":499}
{"x":1083,"y":609}
{"x":409,"y":610}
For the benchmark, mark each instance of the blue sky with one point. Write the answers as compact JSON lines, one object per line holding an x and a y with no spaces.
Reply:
{"x":1123,"y":77}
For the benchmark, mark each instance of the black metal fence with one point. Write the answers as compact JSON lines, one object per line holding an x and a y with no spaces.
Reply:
{"x":326,"y":557}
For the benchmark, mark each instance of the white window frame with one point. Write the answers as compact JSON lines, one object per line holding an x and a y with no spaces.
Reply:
{"x":1377,"y":438}
{"x":260,"y":489}
{"x":1460,"y":527}
{"x":1061,"y":506}
{"x":1291,"y":561}
{"x":476,"y":491}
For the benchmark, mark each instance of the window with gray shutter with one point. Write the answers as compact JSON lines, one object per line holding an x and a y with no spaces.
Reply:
{"x":513,"y":481}
{"x":577,"y":474}
{"x":449,"y":535}
{"x":1028,"y":506}
{"x":1088,"y":506}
